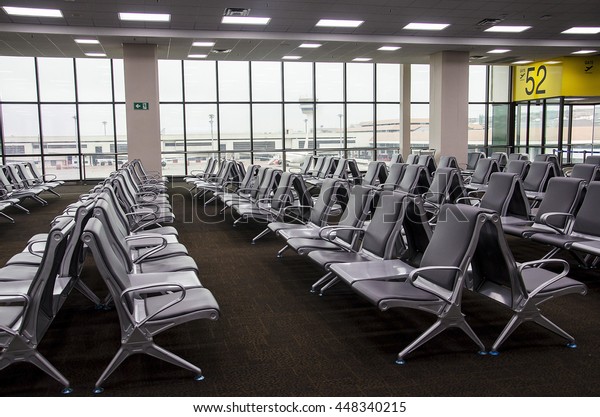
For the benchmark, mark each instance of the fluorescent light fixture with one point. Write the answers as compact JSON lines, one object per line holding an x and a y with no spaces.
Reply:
{"x":33,"y":12}
{"x":96,"y":54}
{"x":508,"y":29}
{"x":498,"y":51}
{"x":582,"y":30}
{"x":245,"y":20}
{"x":522,"y":62}
{"x":574,"y":98}
{"x":291,"y":57}
{"x":197,"y":56}
{"x":203,"y":43}
{"x":584,"y":51}
{"x":145,"y":17}
{"x":552,"y":62}
{"x":389,"y":48}
{"x":333,"y":23}
{"x":362,"y":59}
{"x":88,"y":41}
{"x":426,"y":26}
{"x":310,"y":45}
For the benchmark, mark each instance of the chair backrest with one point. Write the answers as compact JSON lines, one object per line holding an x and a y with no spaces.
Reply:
{"x":538,"y":176}
{"x":413,"y":158}
{"x":4,"y":179}
{"x":353,"y":172}
{"x":429,"y":163}
{"x":319,"y":162}
{"x":587,"y":172}
{"x":417,"y":230}
{"x":484,"y":169}
{"x":328,"y":167}
{"x":249,"y":177}
{"x":453,"y":243}
{"x":74,"y":256}
{"x":325,"y":201}
{"x":41,"y":308}
{"x":563,"y":195}
{"x":376,"y":173}
{"x":473,"y":158}
{"x":415,"y":180}
{"x":396,"y":158}
{"x":382,"y":237}
{"x":447,"y":162}
{"x":586,"y":220}
{"x":283,"y":196}
{"x":14,"y":176}
{"x":592,"y":159}
{"x":394,"y":176}
{"x":306,"y":165}
{"x":356,"y":211}
{"x":37,"y":175}
{"x":505,"y":195}
{"x":501,"y":157}
{"x":517,"y":166}
{"x":518,"y":157}
{"x":446,"y":187}
{"x":550,"y":157}
{"x":341,"y":169}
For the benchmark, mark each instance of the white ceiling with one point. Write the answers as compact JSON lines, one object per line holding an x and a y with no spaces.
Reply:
{"x":293,"y":22}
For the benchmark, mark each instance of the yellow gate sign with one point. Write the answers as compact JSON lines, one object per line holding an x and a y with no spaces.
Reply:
{"x":567,"y":76}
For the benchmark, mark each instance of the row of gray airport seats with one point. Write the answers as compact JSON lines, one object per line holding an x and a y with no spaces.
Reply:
{"x":21,"y":181}
{"x":151,"y":280}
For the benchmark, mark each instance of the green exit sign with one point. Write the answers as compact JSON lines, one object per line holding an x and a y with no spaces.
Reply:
{"x":140,"y":106}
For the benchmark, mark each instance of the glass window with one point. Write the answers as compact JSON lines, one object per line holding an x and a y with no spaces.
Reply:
{"x":201,"y":127}
{"x":234,"y":124}
{"x":419,"y":125}
{"x":298,"y":81}
{"x":119,"y":79}
{"x":521,"y":121}
{"x":388,"y":126}
{"x":330,"y":81}
{"x":330,"y":126}
{"x":17,"y":79}
{"x":121,"y":122}
{"x":535,"y":126}
{"x":96,"y":128}
{"x":498,"y":125}
{"x":299,"y":126}
{"x":476,"y":124}
{"x":359,"y":125}
{"x":234,"y":83}
{"x":267,"y":126}
{"x":56,"y":79}
{"x":499,"y":83}
{"x":171,"y":127}
{"x":552,"y":117}
{"x":419,"y":83}
{"x":477,"y":83}
{"x":200,"y":80}
{"x":388,"y":82}
{"x":20,"y":129}
{"x":93,"y":79}
{"x":266,"y":81}
{"x":362,"y":158}
{"x":59,"y":129}
{"x":65,"y":167}
{"x":170,"y":85}
{"x":173,"y":163}
{"x":583,"y":125}
{"x":294,"y":159}
{"x":359,"y":82}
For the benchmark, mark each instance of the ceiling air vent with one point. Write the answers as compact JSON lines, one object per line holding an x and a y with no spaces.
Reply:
{"x":489,"y":22}
{"x":236,"y":11}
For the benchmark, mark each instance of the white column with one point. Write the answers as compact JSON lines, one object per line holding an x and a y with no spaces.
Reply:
{"x":405,"y":110}
{"x":449,"y":104}
{"x":141,"y":86}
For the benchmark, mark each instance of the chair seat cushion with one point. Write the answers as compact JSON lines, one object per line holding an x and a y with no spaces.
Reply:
{"x":534,"y":277}
{"x":196,"y":300}
{"x":172,"y":264}
{"x":377,"y":291}
{"x":325,"y":258}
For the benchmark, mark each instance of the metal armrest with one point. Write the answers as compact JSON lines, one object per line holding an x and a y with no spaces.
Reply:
{"x":532,"y":264}
{"x":154,"y":207}
{"x":570,"y":220}
{"x":328,"y":234}
{"x":32,"y":251}
{"x":143,"y":289}
{"x":469,"y":199}
{"x":155,"y":249}
{"x":48,"y":175}
{"x":431,"y":288}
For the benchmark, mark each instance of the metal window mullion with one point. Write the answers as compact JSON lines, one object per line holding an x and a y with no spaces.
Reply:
{"x":77,"y":130}
{"x":218,"y":113}
{"x":114,"y":107}
{"x":283,"y":135}
{"x":314,"y":103}
{"x":251,"y":113}
{"x":185,"y":156}
{"x":561,"y":115}
{"x":374,"y":151}
{"x":345,"y":110}
{"x":39,"y":106}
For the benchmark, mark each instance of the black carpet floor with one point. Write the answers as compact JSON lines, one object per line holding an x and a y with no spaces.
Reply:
{"x":275,"y":338}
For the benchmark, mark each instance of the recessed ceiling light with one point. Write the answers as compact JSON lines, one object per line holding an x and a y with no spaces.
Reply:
{"x":498,"y":51}
{"x":145,"y":17}
{"x":245,"y":20}
{"x":585,"y":51}
{"x":203,"y":43}
{"x":197,"y":56}
{"x":389,"y":48}
{"x":310,"y":45}
{"x":333,"y":23}
{"x":362,"y":59}
{"x":583,"y":30}
{"x":95,"y":54}
{"x":426,"y":26}
{"x":509,"y":29}
{"x":33,"y":12}
{"x":88,"y":41}
{"x":291,"y":57}
{"x":522,"y":62}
